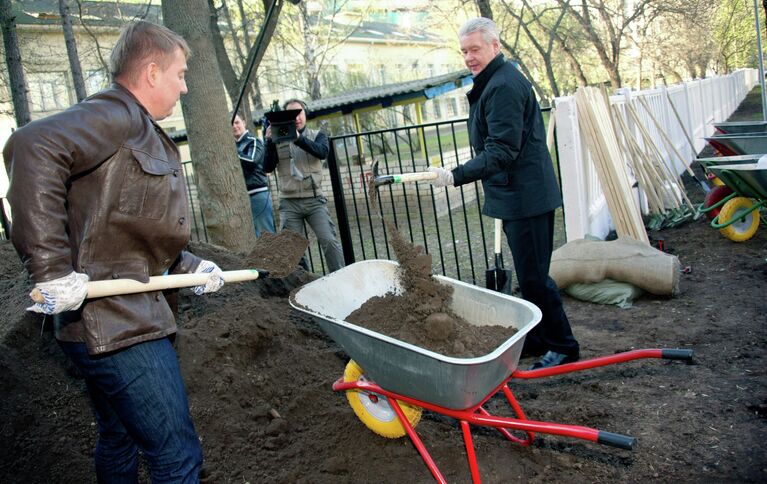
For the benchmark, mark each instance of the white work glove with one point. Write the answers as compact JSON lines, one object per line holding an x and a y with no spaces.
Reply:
{"x":62,"y":294}
{"x":444,"y":177}
{"x":215,"y":279}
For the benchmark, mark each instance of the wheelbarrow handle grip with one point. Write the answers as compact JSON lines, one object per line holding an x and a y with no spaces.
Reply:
{"x":676,"y":354}
{"x":115,"y":287}
{"x":617,"y":440}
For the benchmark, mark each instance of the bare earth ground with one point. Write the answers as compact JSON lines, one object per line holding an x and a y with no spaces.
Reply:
{"x":259,"y":378}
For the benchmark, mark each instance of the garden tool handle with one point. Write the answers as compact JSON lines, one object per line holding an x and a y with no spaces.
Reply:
{"x":115,"y":287}
{"x":498,"y":230}
{"x":404,"y":178}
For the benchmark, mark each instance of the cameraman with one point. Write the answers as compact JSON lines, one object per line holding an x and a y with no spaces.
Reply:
{"x":299,"y":172}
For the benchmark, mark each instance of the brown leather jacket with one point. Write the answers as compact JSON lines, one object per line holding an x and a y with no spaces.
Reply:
{"x":99,"y":189}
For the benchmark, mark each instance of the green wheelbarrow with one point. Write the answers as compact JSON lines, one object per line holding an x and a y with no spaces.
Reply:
{"x":738,"y":217}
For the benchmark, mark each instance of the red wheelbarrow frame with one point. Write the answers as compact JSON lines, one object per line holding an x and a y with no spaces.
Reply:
{"x":477,"y":415}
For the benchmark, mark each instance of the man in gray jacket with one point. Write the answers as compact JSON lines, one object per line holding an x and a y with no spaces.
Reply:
{"x":299,"y":174}
{"x":512,"y":160}
{"x":97,"y":192}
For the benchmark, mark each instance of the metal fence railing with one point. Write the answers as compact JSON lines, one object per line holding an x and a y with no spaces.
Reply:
{"x":447,"y":223}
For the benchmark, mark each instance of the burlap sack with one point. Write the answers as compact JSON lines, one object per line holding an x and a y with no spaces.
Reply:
{"x":624,"y":259}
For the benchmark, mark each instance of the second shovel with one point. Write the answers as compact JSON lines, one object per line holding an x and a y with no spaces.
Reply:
{"x":498,"y":278}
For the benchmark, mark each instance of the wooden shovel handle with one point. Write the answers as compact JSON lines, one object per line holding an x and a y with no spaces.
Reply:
{"x":498,"y":230}
{"x":114,"y":287}
{"x":417,"y":176}
{"x":404,"y":178}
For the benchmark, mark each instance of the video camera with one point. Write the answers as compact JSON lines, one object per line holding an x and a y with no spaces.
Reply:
{"x":283,"y":125}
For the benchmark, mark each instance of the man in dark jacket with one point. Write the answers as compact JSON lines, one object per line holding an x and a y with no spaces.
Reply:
{"x":512,"y":160}
{"x":250,"y":150}
{"x":97,"y":192}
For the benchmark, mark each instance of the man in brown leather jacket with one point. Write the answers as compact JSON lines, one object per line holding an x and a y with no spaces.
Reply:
{"x":97,"y":192}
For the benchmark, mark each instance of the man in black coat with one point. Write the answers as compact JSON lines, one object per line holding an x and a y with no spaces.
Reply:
{"x":507,"y":133}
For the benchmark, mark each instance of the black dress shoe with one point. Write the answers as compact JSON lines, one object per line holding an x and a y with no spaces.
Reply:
{"x":552,"y":358}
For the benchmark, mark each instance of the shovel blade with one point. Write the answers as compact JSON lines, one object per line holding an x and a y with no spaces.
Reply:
{"x":499,"y":280}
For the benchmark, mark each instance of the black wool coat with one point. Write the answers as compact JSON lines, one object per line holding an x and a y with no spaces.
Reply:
{"x":507,"y":134}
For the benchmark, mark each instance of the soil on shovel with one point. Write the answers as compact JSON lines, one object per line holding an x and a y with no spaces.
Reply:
{"x":421,"y":315}
{"x":277,"y":253}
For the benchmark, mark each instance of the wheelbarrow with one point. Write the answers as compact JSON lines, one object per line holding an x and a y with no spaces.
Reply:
{"x":738,"y":144}
{"x":738,"y":127}
{"x":711,"y":205}
{"x":738,"y":217}
{"x":389,"y":382}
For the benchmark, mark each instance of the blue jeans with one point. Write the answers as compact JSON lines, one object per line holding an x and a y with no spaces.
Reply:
{"x":140,"y":403}
{"x":263,"y":215}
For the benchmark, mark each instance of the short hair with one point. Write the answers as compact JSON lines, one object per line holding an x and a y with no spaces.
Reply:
{"x":480,"y":24}
{"x":298,"y":101}
{"x":142,"y":42}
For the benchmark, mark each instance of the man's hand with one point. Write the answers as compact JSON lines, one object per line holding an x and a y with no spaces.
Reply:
{"x":59,"y":295}
{"x":444,"y":177}
{"x":215,"y":279}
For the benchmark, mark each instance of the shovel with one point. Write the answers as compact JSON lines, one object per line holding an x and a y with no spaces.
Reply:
{"x":379,"y":180}
{"x":115,"y":287}
{"x":498,"y":278}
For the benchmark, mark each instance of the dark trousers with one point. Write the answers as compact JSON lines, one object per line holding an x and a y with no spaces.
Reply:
{"x":531,"y":241}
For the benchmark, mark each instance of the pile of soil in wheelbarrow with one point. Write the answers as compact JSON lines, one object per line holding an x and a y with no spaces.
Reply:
{"x":259,"y":378}
{"x":421,"y":314}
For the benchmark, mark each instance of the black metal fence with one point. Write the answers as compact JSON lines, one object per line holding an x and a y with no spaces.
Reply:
{"x":446,"y":222}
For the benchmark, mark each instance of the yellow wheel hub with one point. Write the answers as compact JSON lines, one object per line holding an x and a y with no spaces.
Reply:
{"x":374,"y":409}
{"x":744,"y":228}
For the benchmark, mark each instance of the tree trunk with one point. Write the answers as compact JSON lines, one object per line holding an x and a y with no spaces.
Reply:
{"x":545,"y":53}
{"x":235,"y":38}
{"x":17,"y":84}
{"x":584,"y":19}
{"x":225,"y":65}
{"x":74,"y":59}
{"x":220,"y":185}
{"x":257,"y":50}
{"x":486,"y":11}
{"x":764,"y":7}
{"x":310,"y":56}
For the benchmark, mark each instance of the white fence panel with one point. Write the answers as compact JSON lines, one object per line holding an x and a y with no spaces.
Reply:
{"x":699,"y":103}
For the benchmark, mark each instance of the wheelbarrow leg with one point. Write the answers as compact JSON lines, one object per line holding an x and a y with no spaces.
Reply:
{"x":470,"y":454}
{"x":417,"y":442}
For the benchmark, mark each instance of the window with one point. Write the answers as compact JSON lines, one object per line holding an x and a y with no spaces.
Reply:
{"x":437,"y":108}
{"x":452,"y":107}
{"x":48,"y":91}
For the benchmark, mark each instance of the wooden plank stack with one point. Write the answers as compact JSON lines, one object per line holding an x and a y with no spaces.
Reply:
{"x":597,"y":127}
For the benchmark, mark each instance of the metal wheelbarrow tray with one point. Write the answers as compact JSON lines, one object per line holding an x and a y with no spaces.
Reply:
{"x":739,"y":144}
{"x":404,"y":378}
{"x":737,"y":127}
